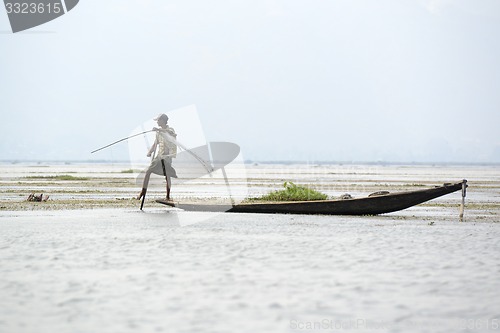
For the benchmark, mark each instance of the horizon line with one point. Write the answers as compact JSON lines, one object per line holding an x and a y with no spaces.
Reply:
{"x":256,"y":162}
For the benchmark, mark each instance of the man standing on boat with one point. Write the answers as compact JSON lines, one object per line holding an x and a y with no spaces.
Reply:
{"x":165,"y":150}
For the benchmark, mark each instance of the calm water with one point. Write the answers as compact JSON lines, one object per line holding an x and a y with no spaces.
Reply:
{"x":159,"y":271}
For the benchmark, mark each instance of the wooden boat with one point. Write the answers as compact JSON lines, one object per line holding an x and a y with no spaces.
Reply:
{"x":371,"y":205}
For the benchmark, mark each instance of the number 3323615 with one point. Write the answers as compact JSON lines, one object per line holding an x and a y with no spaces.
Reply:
{"x":33,"y":8}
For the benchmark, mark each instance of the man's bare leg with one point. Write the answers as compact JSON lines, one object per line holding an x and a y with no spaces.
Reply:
{"x":168,"y":186}
{"x":144,"y":185}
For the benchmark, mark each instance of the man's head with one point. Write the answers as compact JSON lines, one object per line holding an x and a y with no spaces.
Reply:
{"x":161,"y":119}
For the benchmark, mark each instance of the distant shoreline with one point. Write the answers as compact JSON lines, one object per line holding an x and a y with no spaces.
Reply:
{"x":265,"y":162}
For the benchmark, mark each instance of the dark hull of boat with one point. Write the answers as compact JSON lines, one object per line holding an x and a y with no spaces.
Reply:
{"x":362,"y":206}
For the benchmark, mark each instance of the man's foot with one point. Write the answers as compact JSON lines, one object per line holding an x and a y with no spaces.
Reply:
{"x":168,"y":202}
{"x":142,"y":194}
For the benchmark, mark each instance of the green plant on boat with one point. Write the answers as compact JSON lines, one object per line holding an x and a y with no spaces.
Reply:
{"x":292,"y":192}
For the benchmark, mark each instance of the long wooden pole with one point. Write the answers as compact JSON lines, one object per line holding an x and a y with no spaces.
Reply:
{"x":171,"y":139}
{"x":114,"y":143}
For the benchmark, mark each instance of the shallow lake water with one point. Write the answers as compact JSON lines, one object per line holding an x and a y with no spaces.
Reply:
{"x":166,"y":271}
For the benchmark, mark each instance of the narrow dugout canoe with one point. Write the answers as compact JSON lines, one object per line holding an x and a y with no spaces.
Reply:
{"x":371,"y":205}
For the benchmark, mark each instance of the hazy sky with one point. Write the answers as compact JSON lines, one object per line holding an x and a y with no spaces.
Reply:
{"x":339,"y":80}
